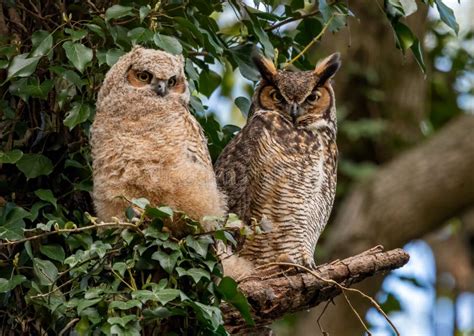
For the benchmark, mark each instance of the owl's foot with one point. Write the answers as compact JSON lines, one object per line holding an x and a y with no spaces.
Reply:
{"x":308,"y":261}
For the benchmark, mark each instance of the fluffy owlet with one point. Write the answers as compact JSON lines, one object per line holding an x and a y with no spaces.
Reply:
{"x":145,"y":142}
{"x":281,"y":168}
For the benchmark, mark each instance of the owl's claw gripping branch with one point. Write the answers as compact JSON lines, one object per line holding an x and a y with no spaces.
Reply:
{"x":274,"y":297}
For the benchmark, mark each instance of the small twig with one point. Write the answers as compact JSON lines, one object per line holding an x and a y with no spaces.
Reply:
{"x":342,"y":287}
{"x":69,"y":325}
{"x":122,"y":280}
{"x":318,"y":321}
{"x":118,"y":225}
{"x":291,"y":19}
{"x":356,"y":313}
{"x":310,"y":44}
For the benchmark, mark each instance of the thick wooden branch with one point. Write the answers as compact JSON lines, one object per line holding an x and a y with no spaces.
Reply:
{"x":295,"y":291}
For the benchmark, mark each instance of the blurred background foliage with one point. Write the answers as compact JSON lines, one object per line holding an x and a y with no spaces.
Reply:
{"x":54,"y":55}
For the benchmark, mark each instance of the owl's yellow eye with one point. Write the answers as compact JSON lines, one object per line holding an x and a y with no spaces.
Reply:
{"x":144,"y":76}
{"x":276,"y":96}
{"x":313,"y":97}
{"x":172,"y":81}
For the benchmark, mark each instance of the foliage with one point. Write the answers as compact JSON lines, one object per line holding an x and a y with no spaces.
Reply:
{"x":52,"y":62}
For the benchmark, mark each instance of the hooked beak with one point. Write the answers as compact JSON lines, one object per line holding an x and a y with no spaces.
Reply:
{"x":294,"y":111}
{"x":161,"y":88}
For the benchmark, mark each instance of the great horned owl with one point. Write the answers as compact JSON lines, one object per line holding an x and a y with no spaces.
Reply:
{"x":281,"y":168}
{"x":145,"y":142}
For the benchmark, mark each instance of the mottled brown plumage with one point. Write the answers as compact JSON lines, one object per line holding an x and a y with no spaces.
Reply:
{"x":145,"y":143}
{"x":281,"y":168}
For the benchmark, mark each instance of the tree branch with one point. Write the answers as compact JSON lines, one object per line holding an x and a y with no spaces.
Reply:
{"x":273,"y":297}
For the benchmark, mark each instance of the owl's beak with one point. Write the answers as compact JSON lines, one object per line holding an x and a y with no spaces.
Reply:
{"x":294,"y":111}
{"x":161,"y":88}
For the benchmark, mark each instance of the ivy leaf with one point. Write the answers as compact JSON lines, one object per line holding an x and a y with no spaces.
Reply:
{"x":208,"y":82}
{"x":404,"y":36}
{"x":142,"y":203}
{"x":167,"y":261}
{"x":79,"y":113}
{"x":42,"y":42}
{"x":34,"y":165}
{"x":144,"y":11}
{"x":53,"y":251}
{"x":166,"y":295}
{"x":83,"y":304}
{"x":243,"y":104}
{"x":22,"y":66}
{"x":200,"y":244}
{"x":76,"y":35}
{"x":230,"y":292}
{"x":168,"y":43}
{"x":46,"y":195}
{"x":123,"y":320}
{"x":45,"y":271}
{"x":11,"y":156}
{"x":418,"y":54}
{"x":208,"y":315}
{"x":196,"y":273}
{"x":124,"y":305}
{"x":447,"y":15}
{"x":11,"y":221}
{"x":159,"y":213}
{"x":78,"y":54}
{"x":112,"y":56}
{"x":7,"y":285}
{"x":118,"y":11}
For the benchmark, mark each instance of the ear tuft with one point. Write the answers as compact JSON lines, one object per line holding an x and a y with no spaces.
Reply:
{"x":264,"y":65}
{"x":328,"y":67}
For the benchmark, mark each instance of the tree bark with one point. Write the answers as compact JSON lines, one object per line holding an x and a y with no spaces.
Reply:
{"x":406,"y":199}
{"x":273,"y":297}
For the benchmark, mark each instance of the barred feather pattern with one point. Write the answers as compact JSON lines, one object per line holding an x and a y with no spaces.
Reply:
{"x":283,"y":175}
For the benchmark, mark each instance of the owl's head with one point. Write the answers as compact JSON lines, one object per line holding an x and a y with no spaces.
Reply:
{"x":148,"y":73}
{"x":304,"y":97}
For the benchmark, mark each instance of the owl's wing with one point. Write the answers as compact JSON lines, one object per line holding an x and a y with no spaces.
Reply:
{"x":233,"y":167}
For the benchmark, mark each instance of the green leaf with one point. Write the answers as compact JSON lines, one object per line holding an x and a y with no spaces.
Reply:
{"x":418,"y":54}
{"x":167,"y":261}
{"x":159,"y":213}
{"x":96,"y":29}
{"x":76,"y":35}
{"x":36,"y":90}
{"x":168,"y":43}
{"x":45,"y":271}
{"x":208,"y":82}
{"x":208,"y":315}
{"x":11,"y":157}
{"x":112,"y":56}
{"x":230,"y":292}
{"x":124,"y":305}
{"x":118,"y":11}
{"x":53,"y":251}
{"x":447,"y":15}
{"x":142,"y":203}
{"x":243,"y":104}
{"x":83,"y":304}
{"x":46,"y":195}
{"x":196,"y":273}
{"x":123,"y":320}
{"x":42,"y":42}
{"x":79,"y":113}
{"x":11,"y":222}
{"x":34,"y":165}
{"x":120,"y":267}
{"x":140,"y":35}
{"x":22,"y":66}
{"x":200,"y":244}
{"x":404,"y":36}
{"x":7,"y":285}
{"x":144,"y":11}
{"x":78,"y":54}
{"x":166,"y":295}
